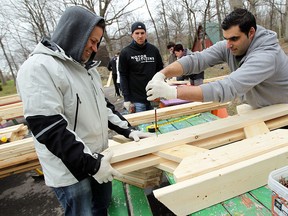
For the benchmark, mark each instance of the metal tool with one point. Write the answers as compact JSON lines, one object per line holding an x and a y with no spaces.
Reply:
{"x":155,"y":104}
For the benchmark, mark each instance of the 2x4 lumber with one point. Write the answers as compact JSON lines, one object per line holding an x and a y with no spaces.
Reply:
{"x":237,"y":135}
{"x":255,"y":129}
{"x":4,"y":100}
{"x":172,"y":112}
{"x":198,"y":132}
{"x":13,"y":105}
{"x":137,"y":163}
{"x":168,"y":166}
{"x":177,"y":153}
{"x":139,"y":182}
{"x":222,"y":184}
{"x":20,"y":168}
{"x":227,"y":155}
{"x":11,"y":113}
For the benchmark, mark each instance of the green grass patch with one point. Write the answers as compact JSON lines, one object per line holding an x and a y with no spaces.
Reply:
{"x":8,"y":89}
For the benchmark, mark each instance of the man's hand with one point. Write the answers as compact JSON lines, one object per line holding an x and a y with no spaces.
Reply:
{"x":127,"y":105}
{"x":159,"y":88}
{"x":106,"y":172}
{"x":137,"y":135}
{"x":159,"y":76}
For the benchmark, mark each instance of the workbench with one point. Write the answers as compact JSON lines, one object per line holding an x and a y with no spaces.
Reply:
{"x":130,"y":200}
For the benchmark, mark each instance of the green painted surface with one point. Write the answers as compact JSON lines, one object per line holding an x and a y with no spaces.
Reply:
{"x":118,"y":205}
{"x":138,"y":200}
{"x":215,"y":210}
{"x":263,"y":195}
{"x":245,"y":204}
{"x":208,"y":116}
{"x":197,"y":120}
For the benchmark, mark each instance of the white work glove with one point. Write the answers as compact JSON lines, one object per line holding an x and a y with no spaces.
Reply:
{"x":159,"y":76}
{"x":159,"y":88}
{"x":106,"y":172}
{"x":137,"y":135}
{"x":126,"y":105}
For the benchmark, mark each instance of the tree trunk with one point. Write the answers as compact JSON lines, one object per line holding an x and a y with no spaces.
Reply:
{"x":286,"y":22}
{"x":155,"y":27}
{"x":235,"y":4}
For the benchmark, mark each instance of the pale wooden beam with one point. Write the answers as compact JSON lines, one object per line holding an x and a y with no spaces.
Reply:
{"x":227,"y":155}
{"x":211,"y":188}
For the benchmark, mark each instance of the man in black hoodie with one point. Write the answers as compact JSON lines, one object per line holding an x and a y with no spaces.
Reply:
{"x":138,"y":63}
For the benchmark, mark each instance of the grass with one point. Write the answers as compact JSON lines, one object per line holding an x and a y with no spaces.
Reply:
{"x":8,"y":89}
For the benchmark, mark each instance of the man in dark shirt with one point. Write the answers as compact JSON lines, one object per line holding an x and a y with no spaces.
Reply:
{"x":138,"y":63}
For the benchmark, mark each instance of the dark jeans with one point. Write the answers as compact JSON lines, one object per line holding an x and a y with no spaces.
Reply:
{"x":139,"y":107}
{"x":116,"y":86}
{"x":87,"y":198}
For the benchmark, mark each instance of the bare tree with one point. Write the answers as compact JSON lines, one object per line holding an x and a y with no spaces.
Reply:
{"x":286,"y":22}
{"x":8,"y":61}
{"x":155,"y":27}
{"x":235,"y":4}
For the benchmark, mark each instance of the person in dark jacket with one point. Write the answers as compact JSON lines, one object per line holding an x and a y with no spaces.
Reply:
{"x":195,"y":79}
{"x":172,"y":57}
{"x":138,"y":63}
{"x":112,"y":66}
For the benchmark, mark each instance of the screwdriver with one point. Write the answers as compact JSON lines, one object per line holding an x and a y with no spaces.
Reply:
{"x":155,"y":104}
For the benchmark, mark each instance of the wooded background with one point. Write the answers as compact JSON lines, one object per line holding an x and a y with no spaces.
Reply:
{"x":24,"y":22}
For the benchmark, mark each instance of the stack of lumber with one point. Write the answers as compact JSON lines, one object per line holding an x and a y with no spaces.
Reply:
{"x":13,"y":133}
{"x":143,"y":178}
{"x":10,"y":99}
{"x":18,"y":156}
{"x":213,"y":161}
{"x":11,"y":111}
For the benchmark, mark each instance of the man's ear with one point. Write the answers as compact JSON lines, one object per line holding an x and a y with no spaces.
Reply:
{"x":251,"y":33}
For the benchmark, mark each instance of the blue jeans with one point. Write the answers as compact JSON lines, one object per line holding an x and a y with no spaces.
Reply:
{"x":86,"y":198}
{"x":139,"y":107}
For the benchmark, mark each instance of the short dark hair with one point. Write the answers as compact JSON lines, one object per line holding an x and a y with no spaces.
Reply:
{"x":170,"y":44}
{"x":241,"y":17}
{"x":178,"y":47}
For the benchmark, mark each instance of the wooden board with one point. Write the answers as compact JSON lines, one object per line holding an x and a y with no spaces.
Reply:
{"x":172,"y":112}
{"x":198,"y":132}
{"x":214,"y":187}
{"x":230,"y":154}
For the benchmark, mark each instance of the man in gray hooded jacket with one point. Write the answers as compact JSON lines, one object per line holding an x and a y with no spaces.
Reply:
{"x":68,"y":115}
{"x":259,"y":67}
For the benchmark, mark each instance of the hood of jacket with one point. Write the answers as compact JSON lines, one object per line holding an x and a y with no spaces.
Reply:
{"x":74,"y":29}
{"x":264,"y":38}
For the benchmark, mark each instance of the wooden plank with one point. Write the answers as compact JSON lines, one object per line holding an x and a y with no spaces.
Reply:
{"x":263,"y":195}
{"x":4,"y":100}
{"x":172,"y":112}
{"x":214,"y":187}
{"x":11,"y":113}
{"x":177,"y":153}
{"x":245,"y":204}
{"x":198,"y":132}
{"x":255,"y":129}
{"x":137,"y":163}
{"x":168,"y":166}
{"x":13,"y":105}
{"x":118,"y":204}
{"x":230,"y":154}
{"x":138,"y":203}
